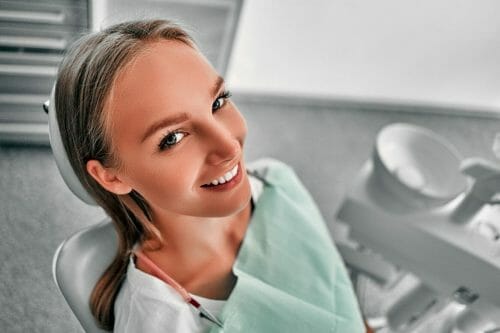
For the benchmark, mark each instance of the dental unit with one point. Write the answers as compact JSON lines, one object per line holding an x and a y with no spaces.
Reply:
{"x":421,"y":219}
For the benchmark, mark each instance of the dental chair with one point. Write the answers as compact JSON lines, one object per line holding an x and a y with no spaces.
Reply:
{"x":77,"y":265}
{"x":82,"y":258}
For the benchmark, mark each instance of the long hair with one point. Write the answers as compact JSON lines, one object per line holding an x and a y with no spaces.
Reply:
{"x":84,"y":82}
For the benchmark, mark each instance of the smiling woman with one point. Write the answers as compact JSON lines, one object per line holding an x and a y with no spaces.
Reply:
{"x":159,"y":126}
{"x":153,"y":136}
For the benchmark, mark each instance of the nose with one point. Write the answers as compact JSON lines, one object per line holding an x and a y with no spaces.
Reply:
{"x":223,"y":146}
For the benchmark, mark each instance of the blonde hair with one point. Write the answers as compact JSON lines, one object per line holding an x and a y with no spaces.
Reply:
{"x":84,"y":82}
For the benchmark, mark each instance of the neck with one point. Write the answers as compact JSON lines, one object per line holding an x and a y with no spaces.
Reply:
{"x":192,"y":238}
{"x":199,"y":253}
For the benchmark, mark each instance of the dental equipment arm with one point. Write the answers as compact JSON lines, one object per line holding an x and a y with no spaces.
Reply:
{"x":450,"y":260}
{"x":486,"y":177}
{"x":428,"y":228}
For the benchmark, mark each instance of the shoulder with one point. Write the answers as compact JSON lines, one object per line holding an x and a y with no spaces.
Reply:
{"x":269,"y":168}
{"x":284,"y":179}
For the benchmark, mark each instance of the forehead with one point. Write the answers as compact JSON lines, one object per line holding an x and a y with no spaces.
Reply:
{"x":167,"y":76}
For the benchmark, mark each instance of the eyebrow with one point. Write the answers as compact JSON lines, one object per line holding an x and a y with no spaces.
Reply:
{"x":181,"y":117}
{"x":218,"y":84}
{"x":165,"y":122}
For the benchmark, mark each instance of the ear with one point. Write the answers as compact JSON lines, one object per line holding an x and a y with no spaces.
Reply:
{"x":107,"y":177}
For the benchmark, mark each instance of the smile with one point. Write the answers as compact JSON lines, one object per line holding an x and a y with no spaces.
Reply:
{"x":227,"y":177}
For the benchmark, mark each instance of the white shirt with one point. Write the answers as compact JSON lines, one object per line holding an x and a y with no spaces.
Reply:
{"x":147,"y":304}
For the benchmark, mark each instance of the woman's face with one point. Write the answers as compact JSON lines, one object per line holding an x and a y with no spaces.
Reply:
{"x":175,"y":131}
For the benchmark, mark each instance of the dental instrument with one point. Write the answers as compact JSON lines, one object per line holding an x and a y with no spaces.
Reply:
{"x":159,"y":273}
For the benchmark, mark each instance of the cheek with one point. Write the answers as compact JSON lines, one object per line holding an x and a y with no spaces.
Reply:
{"x":238,"y":125}
{"x":161,"y":180}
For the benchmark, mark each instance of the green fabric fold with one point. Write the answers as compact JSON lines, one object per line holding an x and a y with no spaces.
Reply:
{"x":290,"y":275}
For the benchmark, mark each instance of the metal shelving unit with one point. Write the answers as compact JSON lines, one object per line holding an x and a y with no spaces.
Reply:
{"x":33,"y":37}
{"x":35,"y":34}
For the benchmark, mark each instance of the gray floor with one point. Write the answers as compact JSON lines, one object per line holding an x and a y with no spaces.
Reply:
{"x":326,"y":146}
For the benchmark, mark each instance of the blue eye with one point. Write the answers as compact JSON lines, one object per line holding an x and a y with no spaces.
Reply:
{"x":221,"y":100}
{"x":170,"y":140}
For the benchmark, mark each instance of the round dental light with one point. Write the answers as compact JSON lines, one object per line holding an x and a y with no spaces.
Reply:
{"x":417,"y":166}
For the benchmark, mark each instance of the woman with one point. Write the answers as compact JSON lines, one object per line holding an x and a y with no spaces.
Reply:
{"x":152,"y":135}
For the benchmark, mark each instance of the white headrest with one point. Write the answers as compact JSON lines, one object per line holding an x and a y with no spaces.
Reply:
{"x":61,"y":157}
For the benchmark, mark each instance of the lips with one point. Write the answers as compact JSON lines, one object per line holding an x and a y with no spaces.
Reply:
{"x":225,"y":178}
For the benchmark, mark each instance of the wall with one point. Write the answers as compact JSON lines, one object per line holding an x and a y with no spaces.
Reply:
{"x":442,"y":52}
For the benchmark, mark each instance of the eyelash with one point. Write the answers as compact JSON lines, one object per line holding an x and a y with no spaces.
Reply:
{"x":162,"y":145}
{"x":224,"y":95}
{"x":163,"y":142}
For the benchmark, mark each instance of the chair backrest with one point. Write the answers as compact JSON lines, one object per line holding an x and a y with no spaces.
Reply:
{"x":82,"y":258}
{"x":77,"y":265}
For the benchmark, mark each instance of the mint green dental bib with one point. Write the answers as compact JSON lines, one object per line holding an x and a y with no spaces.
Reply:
{"x":290,"y":276}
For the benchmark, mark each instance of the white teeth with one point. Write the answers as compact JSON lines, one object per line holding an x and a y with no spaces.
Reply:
{"x":227,"y":176}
